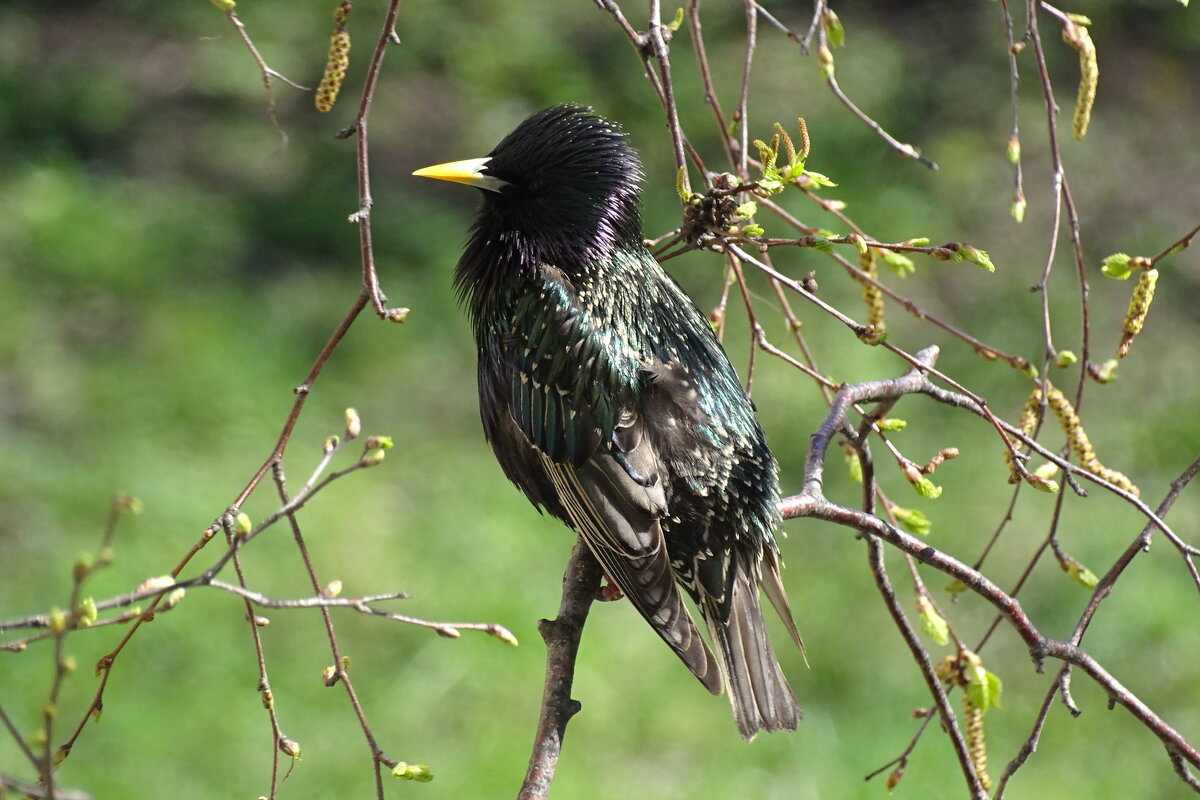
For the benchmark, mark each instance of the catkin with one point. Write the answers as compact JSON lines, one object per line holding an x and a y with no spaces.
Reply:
{"x":1076,"y":35}
{"x":872,"y":295}
{"x":1026,"y":424}
{"x":337,"y":63}
{"x":1139,"y":304}
{"x":976,"y":745}
{"x":1081,"y":446}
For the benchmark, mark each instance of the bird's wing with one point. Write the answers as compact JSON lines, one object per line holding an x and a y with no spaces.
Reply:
{"x":571,"y":385}
{"x":567,"y":376}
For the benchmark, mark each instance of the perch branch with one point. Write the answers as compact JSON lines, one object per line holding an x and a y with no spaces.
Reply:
{"x":580,"y":584}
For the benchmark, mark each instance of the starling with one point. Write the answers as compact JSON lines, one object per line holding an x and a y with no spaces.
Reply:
{"x":610,"y":403}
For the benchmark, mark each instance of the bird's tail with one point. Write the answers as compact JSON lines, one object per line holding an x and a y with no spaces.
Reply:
{"x":758,"y":690}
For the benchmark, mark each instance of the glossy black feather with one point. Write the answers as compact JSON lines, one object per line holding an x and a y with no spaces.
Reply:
{"x":610,"y":403}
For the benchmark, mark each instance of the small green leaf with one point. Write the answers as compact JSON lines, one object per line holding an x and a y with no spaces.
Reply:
{"x":675,"y":23}
{"x":927,"y":489}
{"x":983,"y":687}
{"x":747,"y":209}
{"x":920,"y":241}
{"x":1116,"y":266}
{"x":855,"y":466}
{"x":769,"y":185}
{"x":834,"y":30}
{"x":1079,"y":573}
{"x":995,"y":688}
{"x":978,"y":257}
{"x":956,"y":587}
{"x":817,"y":178}
{"x":821,"y":243}
{"x":753,"y":229}
{"x":912,"y":521}
{"x":899,"y":263}
{"x":932,"y":623}
{"x":892,"y":424}
{"x":1106,"y":372}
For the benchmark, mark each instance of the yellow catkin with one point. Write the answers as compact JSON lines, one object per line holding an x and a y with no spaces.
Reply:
{"x":1139,"y":304}
{"x":1026,"y":424}
{"x":804,"y":142}
{"x":335,"y":71}
{"x":976,"y":745}
{"x":1076,"y":35}
{"x":872,"y":295}
{"x":1081,"y":446}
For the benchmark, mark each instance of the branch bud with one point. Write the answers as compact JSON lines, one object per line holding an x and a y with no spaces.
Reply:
{"x":1065,"y":358}
{"x":85,"y":614}
{"x":172,"y":599}
{"x":412,"y":772}
{"x":1078,"y":572}
{"x":825,"y":62}
{"x":83,"y":565}
{"x":353,"y":423}
{"x":1014,"y":149}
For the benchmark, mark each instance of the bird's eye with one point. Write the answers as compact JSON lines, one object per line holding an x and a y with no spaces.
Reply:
{"x":538,"y":185}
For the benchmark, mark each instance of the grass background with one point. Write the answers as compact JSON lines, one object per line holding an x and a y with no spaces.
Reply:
{"x":171,"y":262}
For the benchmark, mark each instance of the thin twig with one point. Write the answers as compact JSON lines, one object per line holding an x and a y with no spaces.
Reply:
{"x":362,"y":217}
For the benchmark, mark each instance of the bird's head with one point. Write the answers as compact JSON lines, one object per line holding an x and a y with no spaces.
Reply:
{"x":562,"y":189}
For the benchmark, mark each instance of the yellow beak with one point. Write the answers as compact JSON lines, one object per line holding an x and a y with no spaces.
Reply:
{"x":469,"y":172}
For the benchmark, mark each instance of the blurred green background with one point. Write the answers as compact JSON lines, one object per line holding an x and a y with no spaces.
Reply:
{"x":171,"y":260}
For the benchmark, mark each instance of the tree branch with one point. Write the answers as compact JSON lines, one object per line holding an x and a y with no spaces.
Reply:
{"x":562,"y":635}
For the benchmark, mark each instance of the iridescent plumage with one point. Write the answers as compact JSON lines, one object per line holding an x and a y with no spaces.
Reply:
{"x":608,"y":400}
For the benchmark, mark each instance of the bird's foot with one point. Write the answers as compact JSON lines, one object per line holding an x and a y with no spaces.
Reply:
{"x":608,"y":592}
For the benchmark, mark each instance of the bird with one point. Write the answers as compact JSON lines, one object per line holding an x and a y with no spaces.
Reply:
{"x":608,"y":400}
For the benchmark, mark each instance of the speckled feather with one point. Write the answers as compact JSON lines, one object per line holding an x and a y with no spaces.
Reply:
{"x":609,"y":402}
